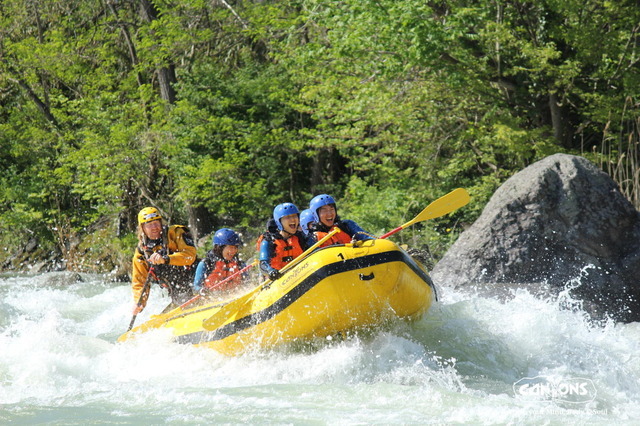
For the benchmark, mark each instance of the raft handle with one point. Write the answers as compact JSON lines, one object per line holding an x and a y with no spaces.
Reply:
{"x":364,"y":277}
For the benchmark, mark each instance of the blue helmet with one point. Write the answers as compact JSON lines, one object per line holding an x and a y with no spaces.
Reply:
{"x":319,"y":201}
{"x":282,"y":210}
{"x":305,"y":217}
{"x":226,"y":237}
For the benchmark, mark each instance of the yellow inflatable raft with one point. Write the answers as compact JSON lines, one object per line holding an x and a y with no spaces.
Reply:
{"x":333,"y":290}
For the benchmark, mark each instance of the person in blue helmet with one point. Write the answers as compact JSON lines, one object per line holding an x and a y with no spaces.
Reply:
{"x":281,"y":247}
{"x":306,"y":217}
{"x":325,"y":216}
{"x":221,"y":262}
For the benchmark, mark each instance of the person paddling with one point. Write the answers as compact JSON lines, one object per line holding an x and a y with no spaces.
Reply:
{"x":164,"y":253}
{"x":281,"y":247}
{"x":221,"y":262}
{"x":326,"y":217}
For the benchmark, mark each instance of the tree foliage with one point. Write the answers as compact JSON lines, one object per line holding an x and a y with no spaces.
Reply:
{"x":216,"y":111}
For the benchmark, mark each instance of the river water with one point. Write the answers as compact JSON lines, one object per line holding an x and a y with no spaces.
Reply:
{"x":470,"y":359}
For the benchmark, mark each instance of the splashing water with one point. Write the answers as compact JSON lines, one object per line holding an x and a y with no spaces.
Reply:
{"x":470,"y":359}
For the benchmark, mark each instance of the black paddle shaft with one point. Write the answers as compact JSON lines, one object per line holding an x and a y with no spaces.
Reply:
{"x":144,"y":294}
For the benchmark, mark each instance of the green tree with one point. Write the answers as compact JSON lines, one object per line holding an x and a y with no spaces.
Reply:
{"x":216,"y":111}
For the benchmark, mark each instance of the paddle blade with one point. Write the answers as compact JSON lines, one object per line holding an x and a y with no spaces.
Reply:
{"x":224,"y":315}
{"x":442,"y":206}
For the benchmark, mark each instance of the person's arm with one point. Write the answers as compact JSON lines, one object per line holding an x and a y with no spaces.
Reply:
{"x":314,"y":227}
{"x":241,"y":265}
{"x":245,"y":275}
{"x":198,"y":279}
{"x":266,"y":253}
{"x":355,"y":231}
{"x":307,"y":241}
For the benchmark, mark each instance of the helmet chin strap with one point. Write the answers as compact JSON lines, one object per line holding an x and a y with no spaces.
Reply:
{"x":284,"y":230}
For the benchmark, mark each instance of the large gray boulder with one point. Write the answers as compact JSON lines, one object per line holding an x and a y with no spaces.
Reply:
{"x":560,"y":223}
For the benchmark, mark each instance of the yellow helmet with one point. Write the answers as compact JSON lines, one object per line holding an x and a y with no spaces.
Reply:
{"x":148,"y":214}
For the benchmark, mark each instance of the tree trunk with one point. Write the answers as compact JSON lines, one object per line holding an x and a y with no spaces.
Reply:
{"x":133,"y":54}
{"x":201,"y":221}
{"x":316,"y":171}
{"x":128,"y":217}
{"x":166,"y":75}
{"x":166,"y":79}
{"x":559,"y":130}
{"x":326,"y":168}
{"x":40,"y":104}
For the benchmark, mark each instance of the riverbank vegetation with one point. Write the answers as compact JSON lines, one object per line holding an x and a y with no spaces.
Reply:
{"x":215,"y":111}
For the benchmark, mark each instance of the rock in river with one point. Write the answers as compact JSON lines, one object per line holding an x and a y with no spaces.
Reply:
{"x":559,"y":224}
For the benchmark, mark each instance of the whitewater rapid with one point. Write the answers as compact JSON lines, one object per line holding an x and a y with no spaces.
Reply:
{"x":470,"y":359}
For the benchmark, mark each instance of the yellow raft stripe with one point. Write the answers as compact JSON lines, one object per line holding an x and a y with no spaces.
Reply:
{"x":304,"y":286}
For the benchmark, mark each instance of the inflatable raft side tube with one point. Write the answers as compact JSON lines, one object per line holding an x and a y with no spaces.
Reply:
{"x":304,"y":286}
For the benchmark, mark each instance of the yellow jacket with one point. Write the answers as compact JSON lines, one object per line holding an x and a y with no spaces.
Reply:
{"x":181,"y":252}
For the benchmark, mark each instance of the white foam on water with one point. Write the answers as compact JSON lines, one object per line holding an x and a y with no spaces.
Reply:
{"x":458,"y":364}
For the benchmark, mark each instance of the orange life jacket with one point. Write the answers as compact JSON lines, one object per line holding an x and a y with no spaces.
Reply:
{"x":285,"y":251}
{"x":221,"y":271}
{"x":339,"y":238}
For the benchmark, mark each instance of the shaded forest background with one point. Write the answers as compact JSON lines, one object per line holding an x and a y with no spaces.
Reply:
{"x":215,"y":111}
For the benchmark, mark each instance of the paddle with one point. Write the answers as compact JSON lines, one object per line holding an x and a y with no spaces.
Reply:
{"x":157,"y":320}
{"x":443,"y":205}
{"x":206,"y":289}
{"x":144,"y":293}
{"x":218,"y":319}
